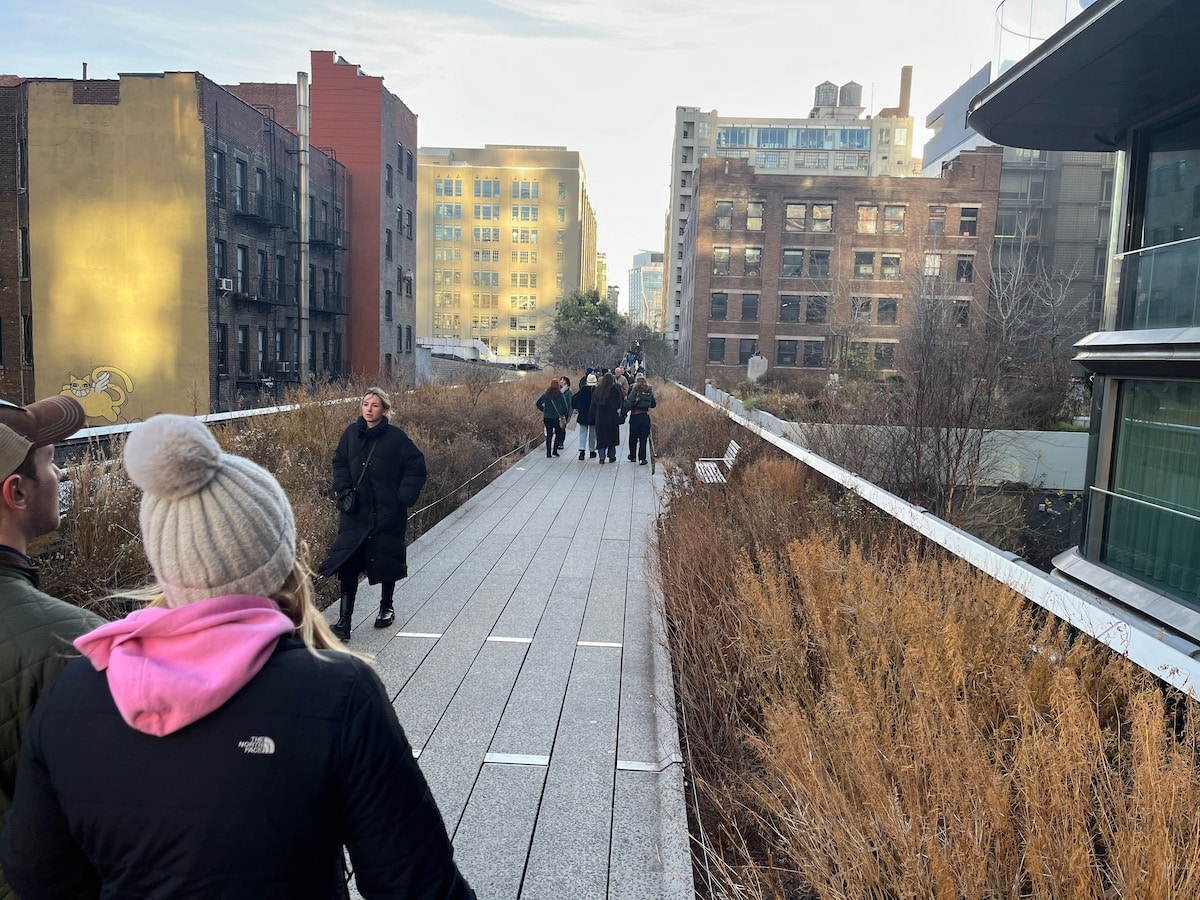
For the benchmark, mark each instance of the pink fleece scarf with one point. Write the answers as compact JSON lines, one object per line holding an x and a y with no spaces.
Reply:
{"x":168,"y":668}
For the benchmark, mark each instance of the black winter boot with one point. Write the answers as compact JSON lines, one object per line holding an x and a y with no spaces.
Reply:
{"x":345,"y":615}
{"x":387,"y":614}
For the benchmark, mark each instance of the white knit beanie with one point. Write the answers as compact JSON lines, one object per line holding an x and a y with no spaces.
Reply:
{"x":213,"y":524}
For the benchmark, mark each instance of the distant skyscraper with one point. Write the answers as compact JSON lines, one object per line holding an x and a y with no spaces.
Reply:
{"x":507,"y":232}
{"x":645,"y":290}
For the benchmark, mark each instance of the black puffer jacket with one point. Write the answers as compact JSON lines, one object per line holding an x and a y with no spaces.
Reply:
{"x":391,"y":485}
{"x":254,"y":800}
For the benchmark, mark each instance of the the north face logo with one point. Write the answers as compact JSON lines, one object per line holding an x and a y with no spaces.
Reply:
{"x":258,"y":745}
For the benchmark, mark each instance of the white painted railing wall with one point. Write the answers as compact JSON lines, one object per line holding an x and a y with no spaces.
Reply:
{"x":1144,"y":642}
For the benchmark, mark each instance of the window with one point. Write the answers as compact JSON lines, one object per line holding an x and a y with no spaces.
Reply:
{"x":965,"y":269}
{"x":749,"y":307}
{"x":408,"y":339}
{"x":754,"y":216}
{"x":716,"y":350}
{"x":387,"y":244}
{"x":408,"y":224}
{"x":243,"y":348}
{"x":1006,"y":223}
{"x":937,"y":220}
{"x":962,"y":313}
{"x":1148,"y":532}
{"x":241,"y":274}
{"x":219,"y":258}
{"x":785,"y":352}
{"x":387,"y":305}
{"x":885,"y":355}
{"x":822,"y":217}
{"x":222,"y":340}
{"x":860,"y":310}
{"x":889,"y":266}
{"x":746,"y":349}
{"x":893,"y":219}
{"x":753,"y":261}
{"x":1022,"y":186}
{"x":408,"y":164}
{"x":218,"y":164}
{"x":789,"y":308}
{"x":724,"y":215}
{"x":868,"y":219}
{"x":793,"y":216}
{"x":387,"y":180}
{"x":933,"y":265}
{"x":239,"y":185}
{"x":1106,"y":187}
{"x":793,"y":263}
{"x":814,"y":312}
{"x":968,"y":221}
{"x":818,"y":263}
{"x":814,"y":354}
{"x":864,"y":264}
{"x":720,"y":260}
{"x":263,"y":278}
{"x":23,"y":253}
{"x":719,"y":308}
{"x":886,"y":313}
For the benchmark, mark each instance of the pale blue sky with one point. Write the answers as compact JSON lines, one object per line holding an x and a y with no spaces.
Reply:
{"x":612,"y":71}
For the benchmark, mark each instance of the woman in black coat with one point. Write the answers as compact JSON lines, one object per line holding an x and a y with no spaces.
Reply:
{"x":606,"y":409}
{"x":376,"y":460}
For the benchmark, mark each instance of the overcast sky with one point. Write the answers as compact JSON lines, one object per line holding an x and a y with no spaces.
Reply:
{"x":599,"y":76}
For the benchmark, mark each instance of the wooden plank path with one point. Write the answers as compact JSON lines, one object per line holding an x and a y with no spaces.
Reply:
{"x":528,"y":668}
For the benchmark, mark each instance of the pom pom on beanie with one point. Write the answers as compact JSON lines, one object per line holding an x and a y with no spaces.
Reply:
{"x":213,"y":524}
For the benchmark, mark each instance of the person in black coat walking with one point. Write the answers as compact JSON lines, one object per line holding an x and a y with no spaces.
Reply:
{"x":555,"y":408}
{"x":582,"y":402}
{"x":233,"y":746}
{"x":606,"y":410}
{"x":379,"y":463}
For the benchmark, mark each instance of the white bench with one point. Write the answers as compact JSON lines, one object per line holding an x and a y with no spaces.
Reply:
{"x":710,"y":471}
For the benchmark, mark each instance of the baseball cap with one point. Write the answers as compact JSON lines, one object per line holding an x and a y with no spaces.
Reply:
{"x":22,"y":428}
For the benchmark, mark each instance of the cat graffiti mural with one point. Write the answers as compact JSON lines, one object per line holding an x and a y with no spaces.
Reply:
{"x":100,"y":396}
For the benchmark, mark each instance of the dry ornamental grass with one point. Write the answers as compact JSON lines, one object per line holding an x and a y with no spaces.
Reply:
{"x":867,"y":717}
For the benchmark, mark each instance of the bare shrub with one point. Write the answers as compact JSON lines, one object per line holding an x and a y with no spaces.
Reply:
{"x":468,"y":438}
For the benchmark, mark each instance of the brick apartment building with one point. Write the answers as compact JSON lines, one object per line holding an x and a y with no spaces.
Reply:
{"x":371,"y":132}
{"x":821,"y":273}
{"x":160,"y":269}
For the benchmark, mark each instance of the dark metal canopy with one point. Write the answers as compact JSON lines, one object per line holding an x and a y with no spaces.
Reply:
{"x":1117,"y":64}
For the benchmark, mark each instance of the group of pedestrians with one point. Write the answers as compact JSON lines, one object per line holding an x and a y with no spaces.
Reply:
{"x":603,"y":403}
{"x":221,"y":741}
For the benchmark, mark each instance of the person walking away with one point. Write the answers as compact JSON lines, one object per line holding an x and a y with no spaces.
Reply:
{"x":244,"y":745}
{"x":638,"y":405}
{"x":377,"y":462}
{"x":606,"y":408}
{"x":555,"y":410}
{"x":582,"y":401}
{"x":565,"y":386}
{"x":36,"y":629}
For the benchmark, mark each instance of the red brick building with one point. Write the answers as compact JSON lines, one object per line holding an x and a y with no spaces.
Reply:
{"x":823,"y":273}
{"x":371,"y":132}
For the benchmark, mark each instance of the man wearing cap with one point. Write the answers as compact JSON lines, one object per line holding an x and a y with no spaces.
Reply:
{"x":36,"y":630}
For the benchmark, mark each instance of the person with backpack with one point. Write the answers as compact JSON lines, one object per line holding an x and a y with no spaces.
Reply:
{"x":637,"y":406}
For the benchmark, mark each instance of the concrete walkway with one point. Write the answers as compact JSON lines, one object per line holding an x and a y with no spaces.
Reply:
{"x":528,"y":669}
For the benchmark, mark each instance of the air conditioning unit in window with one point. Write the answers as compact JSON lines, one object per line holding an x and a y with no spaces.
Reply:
{"x":225,"y":284}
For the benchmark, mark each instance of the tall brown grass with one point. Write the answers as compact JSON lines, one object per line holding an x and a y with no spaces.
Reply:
{"x":866,"y":716}
{"x":468,"y":437}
